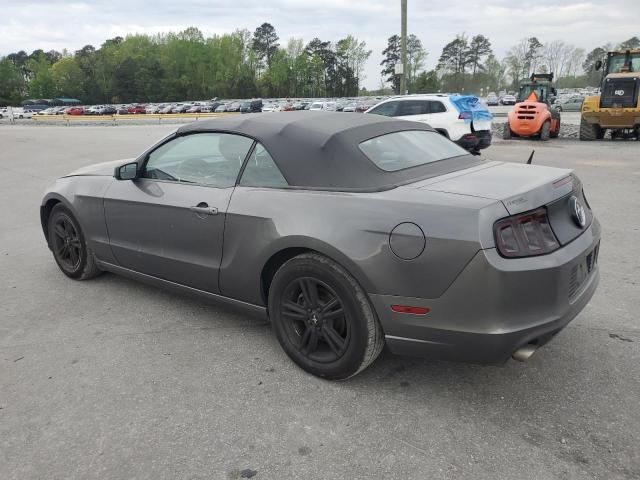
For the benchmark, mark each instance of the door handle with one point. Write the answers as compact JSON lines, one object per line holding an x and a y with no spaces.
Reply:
{"x":204,"y":209}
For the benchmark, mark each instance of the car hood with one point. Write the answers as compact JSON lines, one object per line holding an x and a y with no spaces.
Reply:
{"x":100,"y":169}
{"x":520,"y":187}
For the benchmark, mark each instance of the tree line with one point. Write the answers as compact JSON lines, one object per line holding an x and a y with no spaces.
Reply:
{"x":470,"y":65}
{"x":186,"y":65}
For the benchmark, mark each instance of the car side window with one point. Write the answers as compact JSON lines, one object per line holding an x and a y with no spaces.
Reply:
{"x":436,"y":106}
{"x":262,"y":171}
{"x":212,"y":159}
{"x":413,"y":107}
{"x":388,"y":109}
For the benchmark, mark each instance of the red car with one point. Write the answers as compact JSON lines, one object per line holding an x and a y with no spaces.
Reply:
{"x":139,"y":109}
{"x":74,"y":111}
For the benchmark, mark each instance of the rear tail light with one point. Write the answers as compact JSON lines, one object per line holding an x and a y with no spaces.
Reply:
{"x":525,"y":235}
{"x":464,"y":116}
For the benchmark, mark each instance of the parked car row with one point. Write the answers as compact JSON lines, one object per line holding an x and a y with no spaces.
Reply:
{"x":462,"y":119}
{"x":19,"y":113}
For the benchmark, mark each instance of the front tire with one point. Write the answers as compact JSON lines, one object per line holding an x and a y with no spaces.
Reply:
{"x":506,"y":132}
{"x":68,"y":244}
{"x":322,"y":318}
{"x":588,"y":131}
{"x":545,"y":131}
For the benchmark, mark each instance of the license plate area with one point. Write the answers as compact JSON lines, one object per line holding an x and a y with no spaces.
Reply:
{"x":581,"y":271}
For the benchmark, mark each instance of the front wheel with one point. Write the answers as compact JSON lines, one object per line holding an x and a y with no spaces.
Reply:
{"x":588,"y":131}
{"x":68,"y":245}
{"x":506,"y":132}
{"x":545,"y":131}
{"x":322,"y":318}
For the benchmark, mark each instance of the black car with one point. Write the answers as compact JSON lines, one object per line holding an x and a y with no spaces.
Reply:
{"x":252,"y":106}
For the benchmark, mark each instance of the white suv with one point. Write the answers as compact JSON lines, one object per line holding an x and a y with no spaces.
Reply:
{"x":469,"y":129}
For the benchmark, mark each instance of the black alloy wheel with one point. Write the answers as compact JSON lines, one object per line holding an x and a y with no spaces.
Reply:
{"x":315,"y":320}
{"x":67,"y":245}
{"x":323,"y":318}
{"x":67,"y":242}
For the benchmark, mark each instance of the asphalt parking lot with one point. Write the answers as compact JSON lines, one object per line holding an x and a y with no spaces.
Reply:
{"x":111,"y":379}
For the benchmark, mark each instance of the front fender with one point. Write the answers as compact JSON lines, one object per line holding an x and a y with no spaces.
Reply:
{"x":83,"y":196}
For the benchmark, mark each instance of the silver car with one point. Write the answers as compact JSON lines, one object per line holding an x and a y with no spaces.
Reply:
{"x":572,"y":104}
{"x":347,"y":231}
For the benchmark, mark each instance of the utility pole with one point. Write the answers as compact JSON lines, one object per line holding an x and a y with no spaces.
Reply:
{"x":403,"y":46}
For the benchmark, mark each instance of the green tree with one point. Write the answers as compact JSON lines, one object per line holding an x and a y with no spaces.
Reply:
{"x":391,"y":58}
{"x":39,"y":75}
{"x":355,"y":55}
{"x":496,"y":74}
{"x":12,"y":83}
{"x":67,"y":78}
{"x":533,"y":56}
{"x":416,"y":55}
{"x":479,"y":48}
{"x":265,"y":42}
{"x":454,"y":60}
{"x":426,"y":82}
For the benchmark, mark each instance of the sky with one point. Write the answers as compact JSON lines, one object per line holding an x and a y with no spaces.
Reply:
{"x":56,"y":24}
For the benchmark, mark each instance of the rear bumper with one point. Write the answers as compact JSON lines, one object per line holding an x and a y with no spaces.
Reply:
{"x":475,"y":141}
{"x":495,"y":306}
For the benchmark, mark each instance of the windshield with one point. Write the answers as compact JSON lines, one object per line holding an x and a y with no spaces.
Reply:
{"x":400,"y":150}
{"x":542,"y":92}
{"x":615,"y":63}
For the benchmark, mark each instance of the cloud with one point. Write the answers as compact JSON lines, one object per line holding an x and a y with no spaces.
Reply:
{"x":58,"y":24}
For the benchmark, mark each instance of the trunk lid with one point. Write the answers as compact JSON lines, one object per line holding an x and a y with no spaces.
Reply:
{"x":521,"y":188}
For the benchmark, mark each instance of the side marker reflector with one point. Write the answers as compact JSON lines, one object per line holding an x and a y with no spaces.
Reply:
{"x":410,"y":310}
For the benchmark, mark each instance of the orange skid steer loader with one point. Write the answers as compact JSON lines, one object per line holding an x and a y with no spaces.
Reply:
{"x":532,"y":115}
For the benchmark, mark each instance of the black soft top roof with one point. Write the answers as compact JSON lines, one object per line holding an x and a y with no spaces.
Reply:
{"x":320,"y":149}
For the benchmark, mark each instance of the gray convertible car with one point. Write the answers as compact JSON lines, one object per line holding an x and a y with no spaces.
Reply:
{"x":347,"y":231}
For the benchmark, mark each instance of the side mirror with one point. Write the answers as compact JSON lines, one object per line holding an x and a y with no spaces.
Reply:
{"x":598,"y":65}
{"x":127,"y":172}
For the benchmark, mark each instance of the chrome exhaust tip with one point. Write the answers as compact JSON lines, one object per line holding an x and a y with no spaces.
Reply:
{"x":524,"y":353}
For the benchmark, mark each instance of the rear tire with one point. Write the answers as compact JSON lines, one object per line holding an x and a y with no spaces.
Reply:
{"x":588,"y":131}
{"x":67,"y":242}
{"x":506,"y":132}
{"x":545,"y":131}
{"x":322,"y":318}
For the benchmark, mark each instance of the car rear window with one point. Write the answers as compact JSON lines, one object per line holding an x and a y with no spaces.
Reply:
{"x":410,"y":148}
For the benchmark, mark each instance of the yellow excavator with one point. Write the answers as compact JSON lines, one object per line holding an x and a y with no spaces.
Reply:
{"x":617,"y":108}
